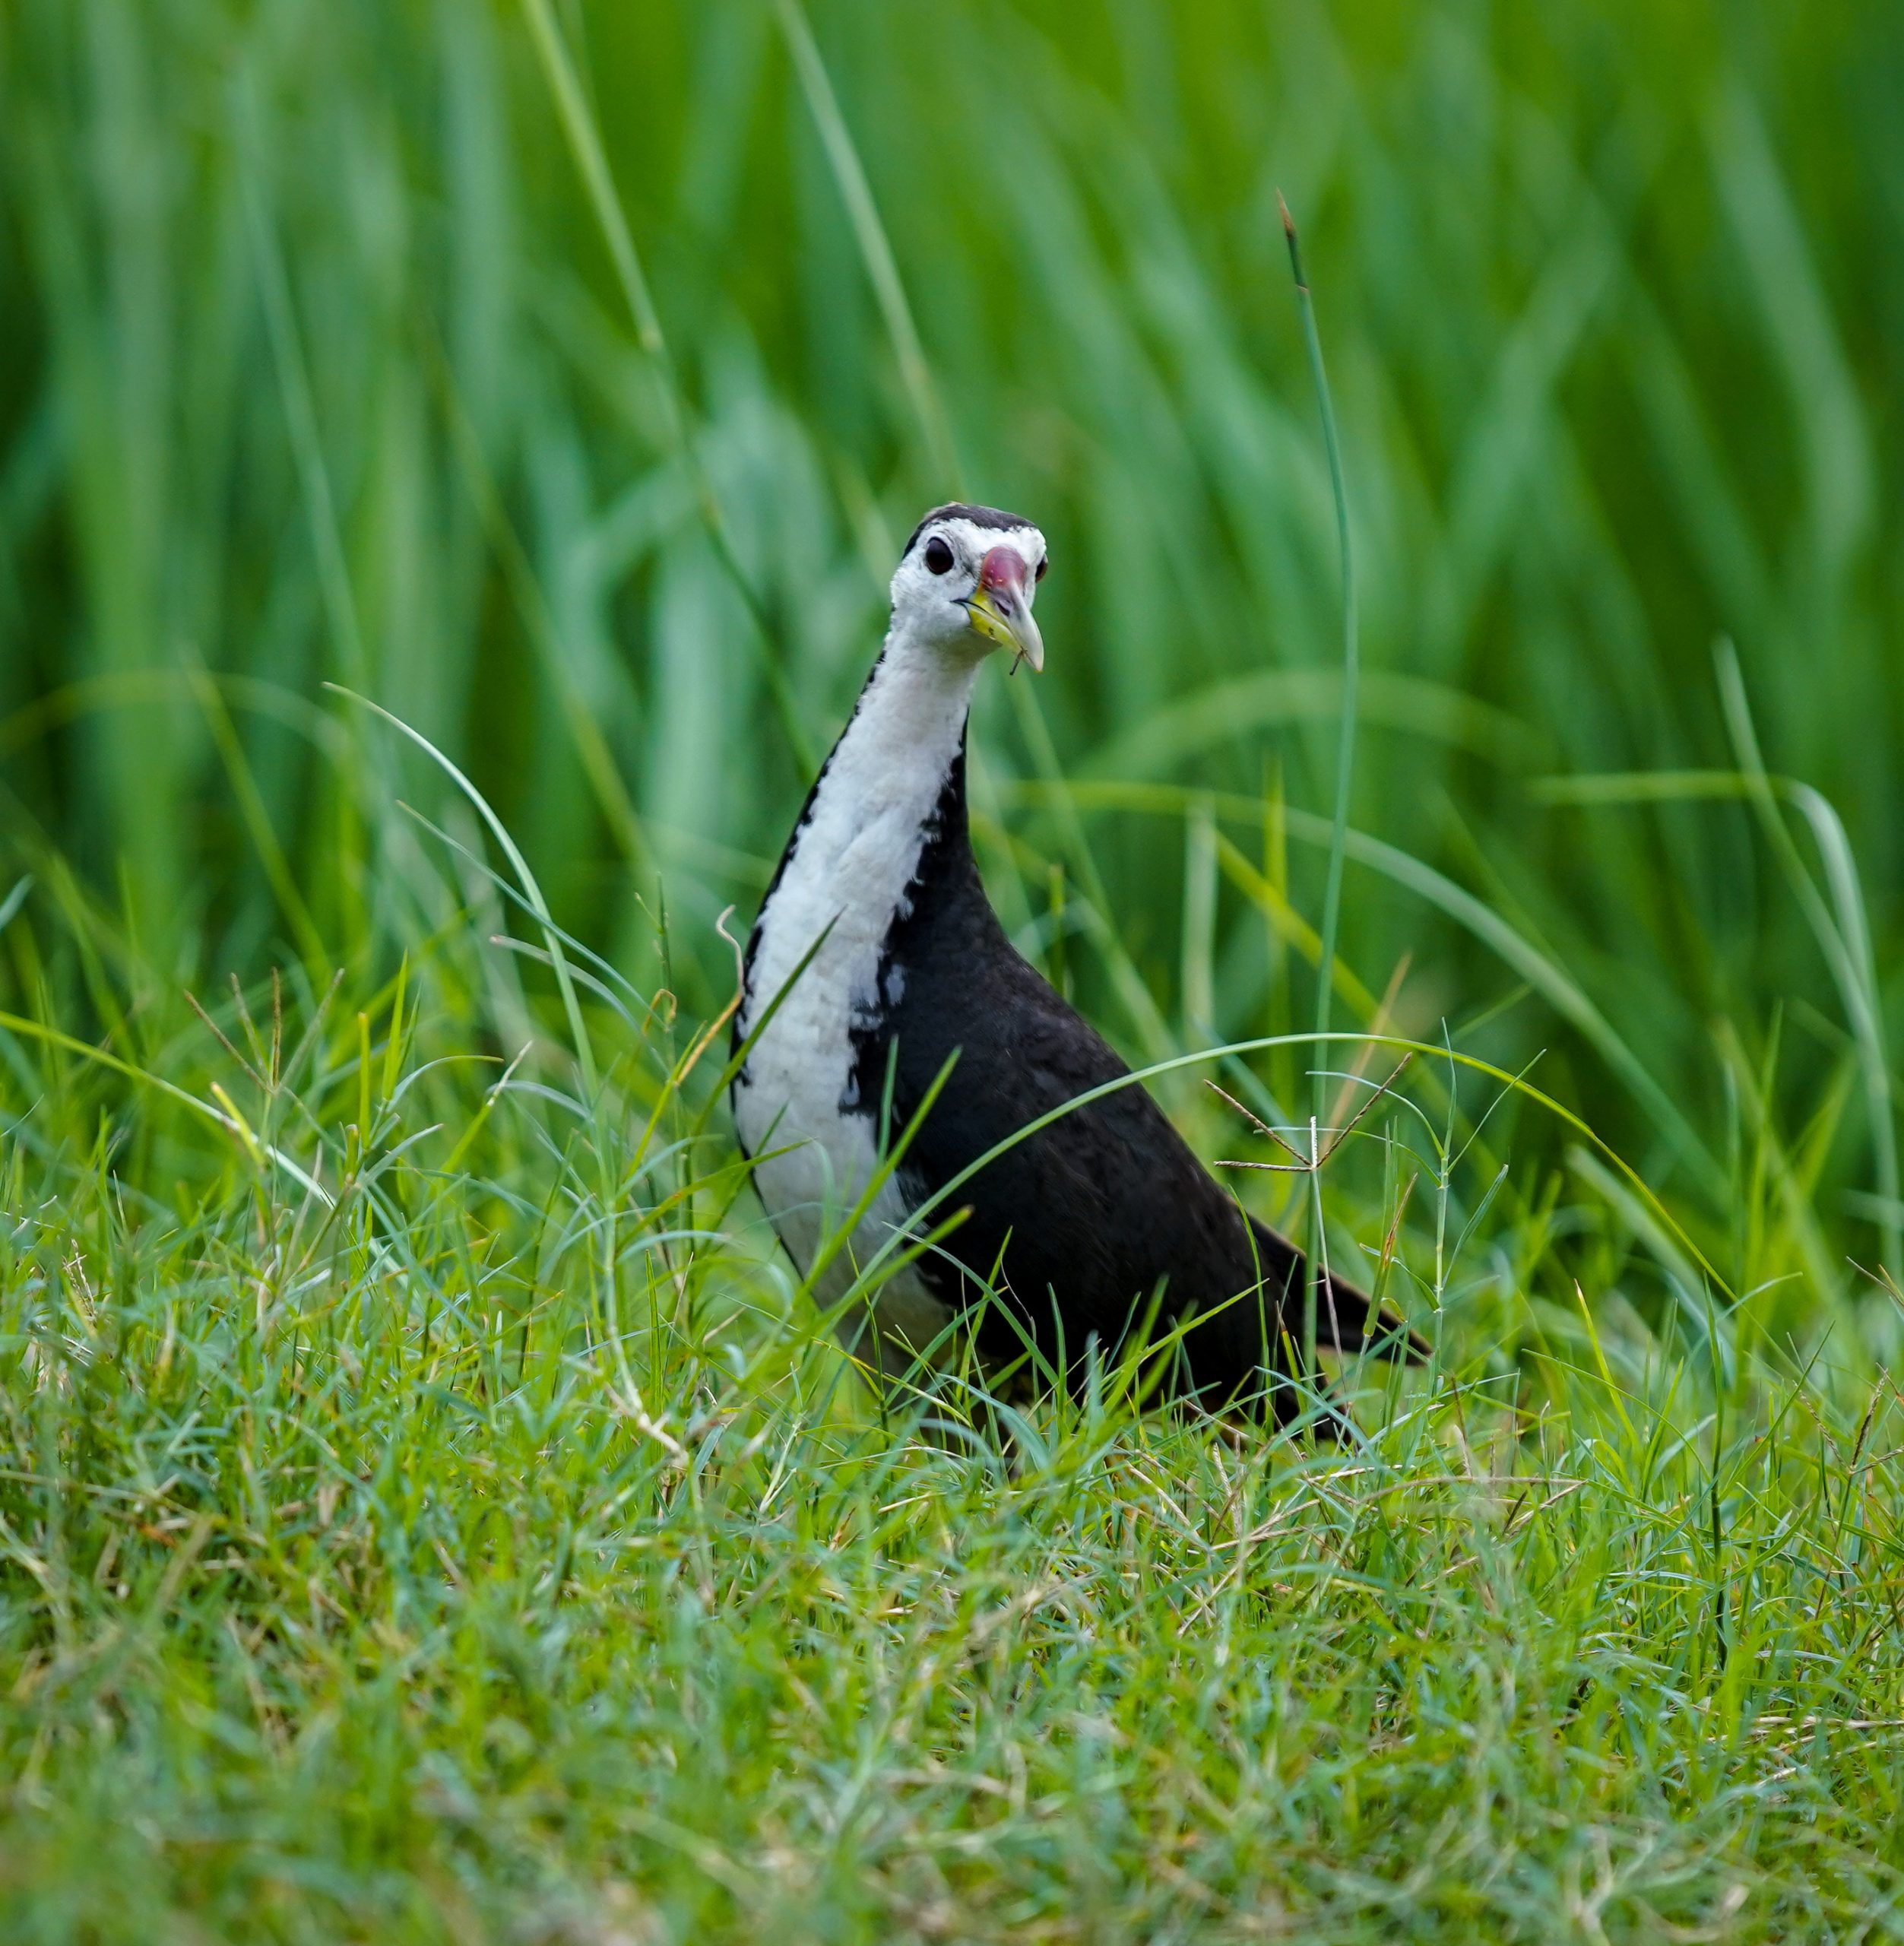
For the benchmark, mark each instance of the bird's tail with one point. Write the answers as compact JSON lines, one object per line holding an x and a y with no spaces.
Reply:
{"x":1347,"y":1320}
{"x":1242,"y":1343}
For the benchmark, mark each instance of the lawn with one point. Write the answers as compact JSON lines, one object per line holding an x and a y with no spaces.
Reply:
{"x":451,"y":456}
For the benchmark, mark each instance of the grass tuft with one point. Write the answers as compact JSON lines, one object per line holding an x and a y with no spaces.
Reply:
{"x":429,"y":1511}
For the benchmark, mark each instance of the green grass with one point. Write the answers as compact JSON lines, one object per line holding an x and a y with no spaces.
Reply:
{"x":428,"y":1507}
{"x":487,"y":1543}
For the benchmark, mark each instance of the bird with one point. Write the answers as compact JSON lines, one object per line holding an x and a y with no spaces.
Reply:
{"x":883,"y":1009}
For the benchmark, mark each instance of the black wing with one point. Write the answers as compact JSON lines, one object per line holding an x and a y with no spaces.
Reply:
{"x":1091,"y":1217}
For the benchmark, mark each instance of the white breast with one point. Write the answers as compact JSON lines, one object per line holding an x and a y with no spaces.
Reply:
{"x":845,"y":878}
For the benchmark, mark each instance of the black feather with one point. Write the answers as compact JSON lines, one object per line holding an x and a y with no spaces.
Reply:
{"x":1093,"y":1217}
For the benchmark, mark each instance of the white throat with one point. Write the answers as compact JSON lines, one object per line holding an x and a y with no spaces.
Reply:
{"x":852,"y":860}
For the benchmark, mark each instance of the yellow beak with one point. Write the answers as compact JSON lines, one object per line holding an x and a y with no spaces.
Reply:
{"x":1000,"y":614}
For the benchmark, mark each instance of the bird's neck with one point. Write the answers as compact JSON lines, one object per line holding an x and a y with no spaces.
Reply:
{"x":906,"y":737}
{"x":894,"y":786}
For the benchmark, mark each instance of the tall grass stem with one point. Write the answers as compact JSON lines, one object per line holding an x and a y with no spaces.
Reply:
{"x":591,"y":161}
{"x":876,"y":250}
{"x":1351,"y":645}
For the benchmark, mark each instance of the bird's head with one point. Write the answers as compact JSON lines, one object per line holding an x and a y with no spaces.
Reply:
{"x":965,"y":583}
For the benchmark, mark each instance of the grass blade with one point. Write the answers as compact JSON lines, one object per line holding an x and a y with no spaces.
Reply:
{"x":1352,"y":641}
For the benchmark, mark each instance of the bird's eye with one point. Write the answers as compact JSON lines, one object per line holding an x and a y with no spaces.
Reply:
{"x":1042,"y":566}
{"x":938,"y":556}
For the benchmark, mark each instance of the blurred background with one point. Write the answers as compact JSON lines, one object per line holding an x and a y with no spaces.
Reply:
{"x":320,"y":362}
